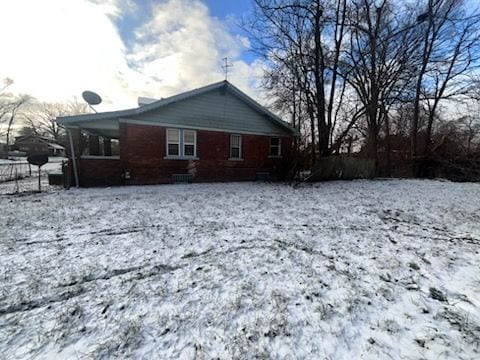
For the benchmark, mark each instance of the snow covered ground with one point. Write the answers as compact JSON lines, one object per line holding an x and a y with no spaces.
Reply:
{"x":340,"y":270}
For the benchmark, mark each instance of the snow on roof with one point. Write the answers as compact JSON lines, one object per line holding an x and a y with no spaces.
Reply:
{"x":56,"y":146}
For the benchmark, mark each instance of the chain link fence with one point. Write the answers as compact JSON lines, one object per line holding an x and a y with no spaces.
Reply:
{"x":14,"y":170}
{"x":18,"y":176}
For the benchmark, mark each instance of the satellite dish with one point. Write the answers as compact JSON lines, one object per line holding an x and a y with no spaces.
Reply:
{"x":91,"y":97}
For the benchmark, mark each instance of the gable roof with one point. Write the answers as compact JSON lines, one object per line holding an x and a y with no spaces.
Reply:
{"x":79,"y":120}
{"x":21,"y":138}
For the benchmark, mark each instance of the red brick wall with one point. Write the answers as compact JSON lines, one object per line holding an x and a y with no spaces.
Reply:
{"x":143,"y":148}
{"x":100,"y":172}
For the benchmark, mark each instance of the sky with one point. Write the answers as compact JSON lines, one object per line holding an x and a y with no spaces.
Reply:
{"x":123,"y":49}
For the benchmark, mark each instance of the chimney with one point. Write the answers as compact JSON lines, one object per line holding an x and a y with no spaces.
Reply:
{"x":145,"y":101}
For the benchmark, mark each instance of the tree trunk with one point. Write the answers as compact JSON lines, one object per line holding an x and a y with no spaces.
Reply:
{"x":323,"y":131}
{"x":388,"y":168}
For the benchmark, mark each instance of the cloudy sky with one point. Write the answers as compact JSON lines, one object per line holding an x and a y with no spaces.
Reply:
{"x":122,"y":49}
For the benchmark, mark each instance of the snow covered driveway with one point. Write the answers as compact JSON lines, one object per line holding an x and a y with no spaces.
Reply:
{"x":341,"y":270}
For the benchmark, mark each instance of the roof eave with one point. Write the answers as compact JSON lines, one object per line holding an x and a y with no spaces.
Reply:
{"x":64,"y":120}
{"x":276,"y":119}
{"x":70,"y":121}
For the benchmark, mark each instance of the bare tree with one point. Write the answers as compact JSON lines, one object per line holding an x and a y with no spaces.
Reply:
{"x":373,"y":70}
{"x":378,"y":61}
{"x":41,"y":118}
{"x":470,"y":126}
{"x":10,"y":106}
{"x":449,"y":36}
{"x":13,"y":112}
{"x":301,"y":41}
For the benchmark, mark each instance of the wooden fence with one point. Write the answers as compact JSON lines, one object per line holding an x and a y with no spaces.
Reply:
{"x":342,"y":168}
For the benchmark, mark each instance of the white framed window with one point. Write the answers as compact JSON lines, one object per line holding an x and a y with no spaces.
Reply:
{"x":189,"y":143}
{"x":235,"y":146}
{"x":173,"y":142}
{"x":275,"y":146}
{"x":181,"y":143}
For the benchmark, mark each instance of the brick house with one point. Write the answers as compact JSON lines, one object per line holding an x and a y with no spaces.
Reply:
{"x":36,"y":144}
{"x":215,"y":133}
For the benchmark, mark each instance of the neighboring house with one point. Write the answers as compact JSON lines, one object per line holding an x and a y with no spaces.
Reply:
{"x":215,"y":133}
{"x":35,"y":144}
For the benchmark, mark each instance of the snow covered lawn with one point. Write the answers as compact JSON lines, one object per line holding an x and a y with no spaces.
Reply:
{"x":341,"y":270}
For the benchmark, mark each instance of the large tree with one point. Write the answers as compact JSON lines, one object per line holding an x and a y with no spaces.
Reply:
{"x":41,"y":117}
{"x":378,"y":63}
{"x":344,"y":66}
{"x":449,"y":34}
{"x":301,"y":43}
{"x":10,"y":107}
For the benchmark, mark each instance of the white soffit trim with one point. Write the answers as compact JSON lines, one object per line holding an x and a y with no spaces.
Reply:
{"x":178,"y":126}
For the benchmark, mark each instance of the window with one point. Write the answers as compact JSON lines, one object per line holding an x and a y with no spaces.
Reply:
{"x":235,"y":147}
{"x":275,"y":146}
{"x":100,"y":147}
{"x":173,"y":142}
{"x":181,"y":143}
{"x":189,"y":142}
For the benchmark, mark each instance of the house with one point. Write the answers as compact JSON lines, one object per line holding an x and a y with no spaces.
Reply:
{"x":214,"y":133}
{"x":35,"y":144}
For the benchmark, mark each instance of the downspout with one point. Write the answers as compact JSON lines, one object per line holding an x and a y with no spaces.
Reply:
{"x":72,"y":150}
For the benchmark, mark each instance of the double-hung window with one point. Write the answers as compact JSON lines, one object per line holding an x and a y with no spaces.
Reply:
{"x":275,"y":146}
{"x":181,"y":143}
{"x":189,"y":148}
{"x":173,"y":142}
{"x":235,"y":146}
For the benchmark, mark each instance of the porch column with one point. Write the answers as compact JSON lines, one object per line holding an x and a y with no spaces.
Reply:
{"x":77,"y":140}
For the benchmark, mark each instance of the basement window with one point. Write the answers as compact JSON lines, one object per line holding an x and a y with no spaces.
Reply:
{"x":181,"y":144}
{"x":275,"y":147}
{"x":235,"y":147}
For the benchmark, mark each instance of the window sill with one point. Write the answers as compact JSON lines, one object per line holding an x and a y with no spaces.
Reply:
{"x":180,"y":158}
{"x":235,"y":159}
{"x":274,"y":156}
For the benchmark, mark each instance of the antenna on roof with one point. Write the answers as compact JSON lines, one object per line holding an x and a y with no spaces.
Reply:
{"x":225,"y":67}
{"x":91,"y":98}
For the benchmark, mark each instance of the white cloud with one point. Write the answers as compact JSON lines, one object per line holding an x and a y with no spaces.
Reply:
{"x":55,"y":49}
{"x":183,"y":46}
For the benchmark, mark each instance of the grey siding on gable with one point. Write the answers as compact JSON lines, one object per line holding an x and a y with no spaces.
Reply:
{"x":217,"y":109}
